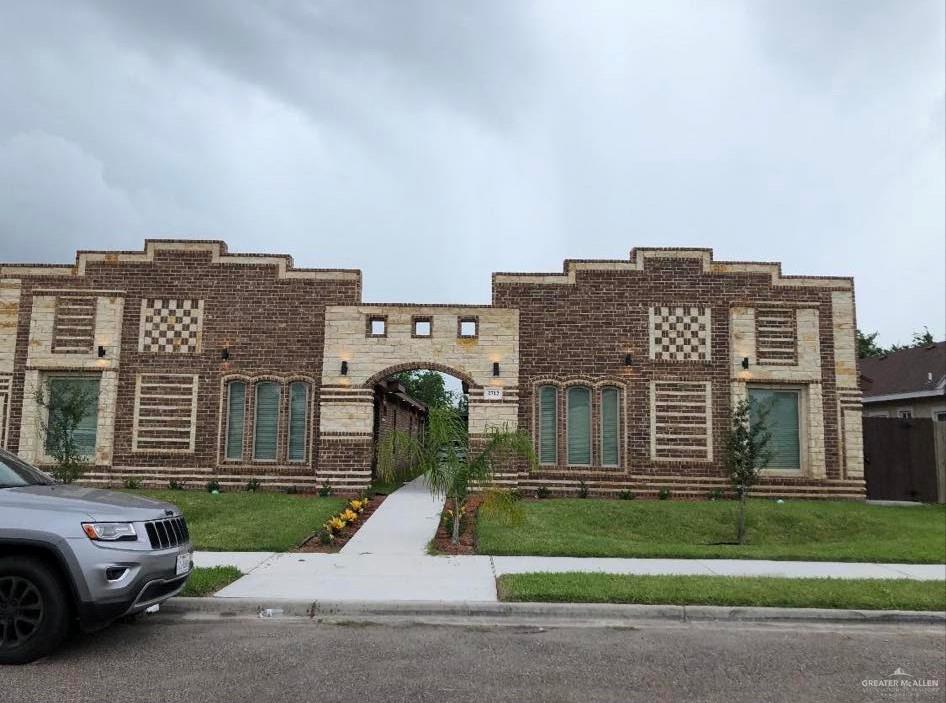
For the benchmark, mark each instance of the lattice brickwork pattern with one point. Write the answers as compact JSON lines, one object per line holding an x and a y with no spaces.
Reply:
{"x":165,"y":413}
{"x":6,"y":381}
{"x":170,"y":326}
{"x":776,"y":336}
{"x":680,"y":334}
{"x":681,"y":425}
{"x":74,"y":324}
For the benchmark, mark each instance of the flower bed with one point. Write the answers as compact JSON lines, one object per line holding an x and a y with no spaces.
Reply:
{"x":341,"y":527}
{"x":442,"y":543}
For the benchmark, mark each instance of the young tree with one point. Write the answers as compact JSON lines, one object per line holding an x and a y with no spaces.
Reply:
{"x":867,"y":345}
{"x":428,"y":387}
{"x":66,"y":406}
{"x":450,"y":467}
{"x":747,"y":453}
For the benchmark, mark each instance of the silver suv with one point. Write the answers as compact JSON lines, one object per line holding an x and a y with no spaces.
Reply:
{"x":70,"y":554}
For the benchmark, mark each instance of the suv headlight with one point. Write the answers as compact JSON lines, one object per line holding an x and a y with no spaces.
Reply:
{"x":110,"y":531}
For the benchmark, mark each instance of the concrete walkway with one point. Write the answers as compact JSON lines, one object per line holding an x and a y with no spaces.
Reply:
{"x":386,"y":560}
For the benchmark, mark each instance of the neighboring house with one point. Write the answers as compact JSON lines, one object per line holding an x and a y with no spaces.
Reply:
{"x":910,"y":383}
{"x":624,"y":372}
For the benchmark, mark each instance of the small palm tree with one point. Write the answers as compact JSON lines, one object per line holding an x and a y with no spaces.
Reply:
{"x":451,"y":468}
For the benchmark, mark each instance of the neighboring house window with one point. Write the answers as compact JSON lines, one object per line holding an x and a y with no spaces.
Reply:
{"x":298,"y":417}
{"x":905,"y":413}
{"x":610,"y":426}
{"x":782,"y":421}
{"x":84,"y":433}
{"x":578,"y":425}
{"x":266,"y":420}
{"x":548,"y":424}
{"x":236,"y":415}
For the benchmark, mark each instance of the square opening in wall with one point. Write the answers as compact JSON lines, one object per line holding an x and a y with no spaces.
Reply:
{"x":422,"y":326}
{"x":377,"y":326}
{"x":468,"y":327}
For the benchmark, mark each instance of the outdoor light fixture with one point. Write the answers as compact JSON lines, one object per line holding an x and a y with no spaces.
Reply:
{"x":495,"y":368}
{"x":745,"y":362}
{"x":101,"y":352}
{"x":344,"y":368}
{"x":628,"y":360}
{"x":225,"y":354}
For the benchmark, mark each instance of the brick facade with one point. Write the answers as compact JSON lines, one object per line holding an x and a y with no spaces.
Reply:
{"x":168,"y":329}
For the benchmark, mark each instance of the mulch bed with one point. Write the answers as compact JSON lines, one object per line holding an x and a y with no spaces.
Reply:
{"x":442,"y":542}
{"x":312,"y":544}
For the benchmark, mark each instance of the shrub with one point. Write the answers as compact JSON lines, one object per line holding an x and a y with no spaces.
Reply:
{"x":325,"y":490}
{"x":175,"y":485}
{"x":664,"y":493}
{"x":542,"y":492}
{"x":252,"y":485}
{"x":324,"y":536}
{"x":582,"y":489}
{"x":716,"y":494}
{"x":448,"y":517}
{"x":213,"y":486}
{"x":132,"y":484}
{"x":291,"y":490}
{"x":626,"y":495}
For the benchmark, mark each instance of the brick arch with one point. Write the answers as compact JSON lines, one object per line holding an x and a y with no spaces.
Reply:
{"x":416,"y":365}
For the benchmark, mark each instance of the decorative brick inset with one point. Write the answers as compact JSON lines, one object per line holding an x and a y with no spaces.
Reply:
{"x":680,"y":334}
{"x":681,"y":421}
{"x":165,"y":413}
{"x":170,"y":326}
{"x":776,"y":336}
{"x":74,"y":324}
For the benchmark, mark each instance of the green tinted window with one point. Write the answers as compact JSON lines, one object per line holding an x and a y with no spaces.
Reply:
{"x":780,"y":409}
{"x":610,"y":431}
{"x":65,"y":390}
{"x":579,"y":425}
{"x":298,"y":410}
{"x":266,"y":420}
{"x":236,"y":410}
{"x":548,"y":424}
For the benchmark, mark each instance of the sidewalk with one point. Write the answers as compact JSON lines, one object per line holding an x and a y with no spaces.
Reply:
{"x":386,"y":560}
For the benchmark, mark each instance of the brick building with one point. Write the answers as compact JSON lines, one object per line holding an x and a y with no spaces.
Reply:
{"x":232,"y":366}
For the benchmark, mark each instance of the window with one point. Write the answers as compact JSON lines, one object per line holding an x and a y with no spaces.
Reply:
{"x":578,"y":425}
{"x":610,"y":426}
{"x":423,"y":326}
{"x":377,"y":326}
{"x":63,"y":391}
{"x":266,"y":420}
{"x":468,"y":327}
{"x":298,"y":419}
{"x":940,"y":416}
{"x":236,"y":413}
{"x":782,"y":420}
{"x":905,"y":413}
{"x":548,"y":425}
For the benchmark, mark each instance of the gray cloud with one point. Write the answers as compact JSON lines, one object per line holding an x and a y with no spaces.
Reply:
{"x":432,"y":143}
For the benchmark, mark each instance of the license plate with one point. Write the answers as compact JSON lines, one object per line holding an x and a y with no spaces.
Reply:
{"x":183,"y":563}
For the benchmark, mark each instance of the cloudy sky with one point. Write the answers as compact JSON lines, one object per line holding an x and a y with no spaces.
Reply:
{"x":431,"y":143}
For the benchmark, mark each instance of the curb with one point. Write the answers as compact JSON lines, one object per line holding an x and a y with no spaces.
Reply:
{"x":562,"y":612}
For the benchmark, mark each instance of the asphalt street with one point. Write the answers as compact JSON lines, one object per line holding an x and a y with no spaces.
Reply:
{"x":165,"y":659}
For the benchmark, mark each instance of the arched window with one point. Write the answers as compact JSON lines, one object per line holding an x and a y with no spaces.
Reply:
{"x":298,"y":419}
{"x":266,"y":420}
{"x":610,"y":426}
{"x":578,"y":425}
{"x":548,"y":424}
{"x":236,"y":416}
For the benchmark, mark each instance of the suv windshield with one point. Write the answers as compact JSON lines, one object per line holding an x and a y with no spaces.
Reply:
{"x":14,"y":472}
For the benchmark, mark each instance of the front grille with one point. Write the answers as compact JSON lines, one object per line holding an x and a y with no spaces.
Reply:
{"x":167,"y":533}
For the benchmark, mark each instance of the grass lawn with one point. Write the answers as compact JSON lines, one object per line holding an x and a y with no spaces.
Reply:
{"x":803,"y":530}
{"x":243,"y":521}
{"x":868,"y":594}
{"x":204,"y":581}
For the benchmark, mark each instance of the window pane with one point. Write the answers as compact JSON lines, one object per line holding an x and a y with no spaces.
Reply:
{"x":579,"y":425}
{"x":548,"y":425}
{"x":236,"y":409}
{"x":468,"y":328}
{"x":298,"y":410}
{"x":782,"y":422}
{"x":62,"y":390}
{"x":266,"y":419}
{"x":610,"y":418}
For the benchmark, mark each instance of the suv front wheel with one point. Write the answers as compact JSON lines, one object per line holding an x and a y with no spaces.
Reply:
{"x":34,"y":610}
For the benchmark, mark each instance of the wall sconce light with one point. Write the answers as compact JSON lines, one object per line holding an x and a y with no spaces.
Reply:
{"x":495,"y":368}
{"x":745,"y":362}
{"x":628,"y":359}
{"x":225,"y":354}
{"x":101,"y":351}
{"x":344,"y":368}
